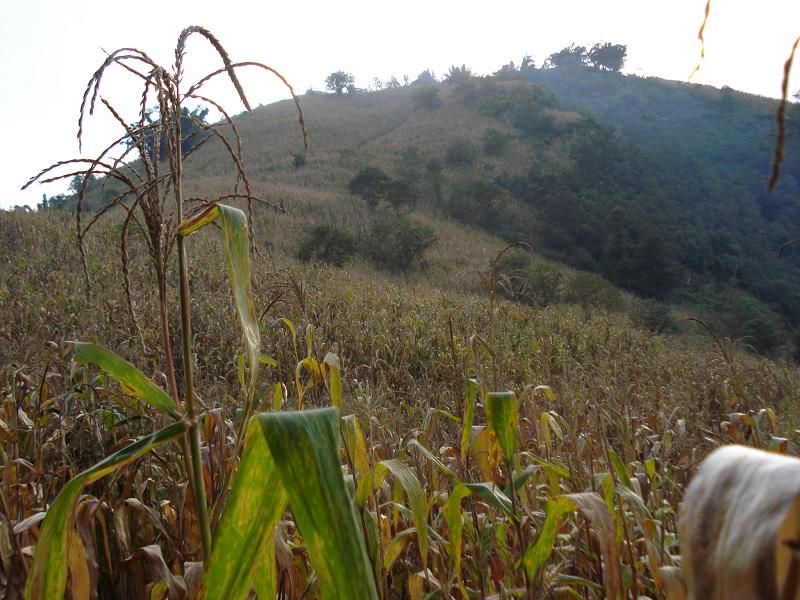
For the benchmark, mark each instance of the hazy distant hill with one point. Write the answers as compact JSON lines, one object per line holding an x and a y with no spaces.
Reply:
{"x":657,"y":186}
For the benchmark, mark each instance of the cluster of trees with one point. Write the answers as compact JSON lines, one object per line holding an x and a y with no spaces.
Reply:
{"x":375,"y":186}
{"x":393,"y":240}
{"x":604,"y":57}
{"x":601,"y":56}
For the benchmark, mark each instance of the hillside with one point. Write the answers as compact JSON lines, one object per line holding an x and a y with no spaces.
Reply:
{"x":657,"y":186}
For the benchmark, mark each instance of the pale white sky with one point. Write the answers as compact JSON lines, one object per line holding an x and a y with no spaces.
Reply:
{"x":50,"y":48}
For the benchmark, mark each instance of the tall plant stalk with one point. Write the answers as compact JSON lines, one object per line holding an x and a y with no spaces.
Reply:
{"x":198,"y":483}
{"x":144,"y":199}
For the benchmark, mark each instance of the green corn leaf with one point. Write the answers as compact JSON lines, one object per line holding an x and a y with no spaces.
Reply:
{"x":48,"y":575}
{"x":265,"y":580}
{"x":521,"y":478}
{"x":133,"y":381}
{"x":592,"y":505}
{"x":396,"y":547}
{"x":290,"y":457}
{"x":537,"y":555}
{"x":267,"y":360}
{"x":620,"y":469}
{"x":493,"y":496}
{"x":254,"y":505}
{"x":636,"y":503}
{"x":502,"y":419}
{"x":304,"y":446}
{"x":448,"y":472}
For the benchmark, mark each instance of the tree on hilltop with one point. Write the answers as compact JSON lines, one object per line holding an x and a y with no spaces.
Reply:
{"x":571,"y":56}
{"x":458,"y":74}
{"x":339,"y":81}
{"x":511,"y":71}
{"x":427,"y":77}
{"x":608,"y":56}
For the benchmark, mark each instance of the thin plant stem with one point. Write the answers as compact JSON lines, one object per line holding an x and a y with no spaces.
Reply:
{"x":197,"y":481}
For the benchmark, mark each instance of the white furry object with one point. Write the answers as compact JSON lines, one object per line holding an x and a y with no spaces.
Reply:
{"x":729,"y":522}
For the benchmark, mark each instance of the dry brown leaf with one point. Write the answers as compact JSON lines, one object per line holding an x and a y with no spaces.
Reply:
{"x":158,"y":570}
{"x":193,"y":576}
{"x":29,"y":522}
{"x":592,"y":505}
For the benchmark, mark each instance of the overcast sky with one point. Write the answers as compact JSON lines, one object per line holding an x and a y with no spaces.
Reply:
{"x":50,"y":48}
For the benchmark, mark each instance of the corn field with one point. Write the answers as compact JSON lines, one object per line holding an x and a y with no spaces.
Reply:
{"x":291,"y":432}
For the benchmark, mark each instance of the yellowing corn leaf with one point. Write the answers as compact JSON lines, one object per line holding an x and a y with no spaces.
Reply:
{"x":265,"y":580}
{"x":416,"y":586}
{"x":395,"y":548}
{"x":487,"y":453}
{"x":48,"y":574}
{"x":354,"y":440}
{"x":413,"y":489}
{"x":79,"y":584}
{"x":279,"y":396}
{"x":255,"y":503}
{"x":233,"y":223}
{"x":158,"y":570}
{"x":452,"y":512}
{"x":537,"y":555}
{"x":317,"y":372}
{"x":334,"y":379}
